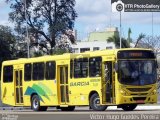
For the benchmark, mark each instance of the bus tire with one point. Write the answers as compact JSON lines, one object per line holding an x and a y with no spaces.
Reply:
{"x":129,"y":107}
{"x":94,"y":101}
{"x":35,"y":104}
{"x":69,"y":108}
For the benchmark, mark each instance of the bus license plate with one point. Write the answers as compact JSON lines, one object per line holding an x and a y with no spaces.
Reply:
{"x":140,"y":101}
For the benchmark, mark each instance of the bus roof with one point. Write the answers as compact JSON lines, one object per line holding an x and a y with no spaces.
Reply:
{"x":66,"y":56}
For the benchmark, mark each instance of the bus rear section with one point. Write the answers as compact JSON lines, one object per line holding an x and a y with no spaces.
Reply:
{"x":7,"y":85}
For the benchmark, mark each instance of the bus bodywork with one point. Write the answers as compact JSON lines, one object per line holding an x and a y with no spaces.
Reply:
{"x":98,"y":79}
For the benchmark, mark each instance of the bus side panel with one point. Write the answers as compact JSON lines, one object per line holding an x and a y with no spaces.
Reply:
{"x":7,"y":90}
{"x":45,"y":89}
{"x":7,"y":93}
{"x":51,"y":97}
{"x":78,"y":93}
{"x":81,"y":88}
{"x":27,"y":97}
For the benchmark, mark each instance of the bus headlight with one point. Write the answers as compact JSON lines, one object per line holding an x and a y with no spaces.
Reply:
{"x":154,"y":92}
{"x":123,"y":92}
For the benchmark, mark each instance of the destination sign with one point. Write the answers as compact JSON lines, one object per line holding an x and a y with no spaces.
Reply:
{"x":134,"y":54}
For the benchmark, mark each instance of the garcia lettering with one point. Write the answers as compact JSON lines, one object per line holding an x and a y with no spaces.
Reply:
{"x":79,"y":83}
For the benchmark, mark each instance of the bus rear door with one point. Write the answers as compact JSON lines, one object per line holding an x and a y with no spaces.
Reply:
{"x":63,"y":85}
{"x":18,"y":79}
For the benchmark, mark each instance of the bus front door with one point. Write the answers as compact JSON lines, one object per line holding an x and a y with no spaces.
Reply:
{"x":107,"y":83}
{"x":18,"y":86}
{"x":63,"y":80}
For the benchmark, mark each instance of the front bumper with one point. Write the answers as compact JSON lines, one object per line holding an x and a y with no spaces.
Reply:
{"x":149,"y":99}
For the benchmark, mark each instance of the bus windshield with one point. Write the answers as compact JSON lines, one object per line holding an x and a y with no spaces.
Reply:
{"x":137,"y":72}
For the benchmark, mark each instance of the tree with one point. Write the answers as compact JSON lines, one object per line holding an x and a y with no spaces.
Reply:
{"x":7,"y":44}
{"x":21,"y":47}
{"x":63,"y":45}
{"x":46,"y":18}
{"x":116,"y":40}
{"x":129,"y":36}
{"x":152,"y":42}
{"x":140,"y":37}
{"x":149,"y":42}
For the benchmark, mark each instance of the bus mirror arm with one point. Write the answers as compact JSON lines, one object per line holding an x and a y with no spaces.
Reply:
{"x":116,"y":67}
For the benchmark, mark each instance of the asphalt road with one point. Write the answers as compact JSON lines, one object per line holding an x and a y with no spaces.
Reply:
{"x":81,"y":113}
{"x":159,"y":95}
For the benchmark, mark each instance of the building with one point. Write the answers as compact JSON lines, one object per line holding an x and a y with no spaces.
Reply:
{"x":92,"y":46}
{"x":96,"y":41}
{"x":103,"y":35}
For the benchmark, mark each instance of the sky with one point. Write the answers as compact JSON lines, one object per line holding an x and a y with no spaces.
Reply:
{"x":96,"y":15}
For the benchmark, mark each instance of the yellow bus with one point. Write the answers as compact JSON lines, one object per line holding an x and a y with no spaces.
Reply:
{"x":98,"y":79}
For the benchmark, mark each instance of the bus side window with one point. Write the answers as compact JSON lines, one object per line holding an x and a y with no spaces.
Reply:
{"x":81,"y":68}
{"x":38,"y":71}
{"x":8,"y":74}
{"x":50,"y":70}
{"x":27,"y":71}
{"x":95,"y":67}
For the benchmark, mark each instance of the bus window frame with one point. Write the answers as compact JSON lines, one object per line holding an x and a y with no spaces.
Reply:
{"x":95,"y":59}
{"x":27,"y":72}
{"x":8,"y":81}
{"x":80,"y":61}
{"x":45,"y":70}
{"x":33,"y":73}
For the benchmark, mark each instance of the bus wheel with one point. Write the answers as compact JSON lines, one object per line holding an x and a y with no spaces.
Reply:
{"x":129,"y":107}
{"x":95,"y":103}
{"x":69,"y":108}
{"x":36,"y":104}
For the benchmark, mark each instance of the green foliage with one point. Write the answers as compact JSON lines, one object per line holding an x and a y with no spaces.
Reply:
{"x":36,"y":54}
{"x":129,"y":36}
{"x":115,"y":39}
{"x":140,"y":37}
{"x":7,"y":44}
{"x":52,"y":15}
{"x":59,"y":51}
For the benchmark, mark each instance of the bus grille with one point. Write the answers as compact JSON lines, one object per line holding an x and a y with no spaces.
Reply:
{"x":140,"y":94}
{"x":139,"y":98}
{"x":138,"y":89}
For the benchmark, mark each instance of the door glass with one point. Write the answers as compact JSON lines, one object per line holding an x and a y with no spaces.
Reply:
{"x":19,"y":87}
{"x":61,"y":75}
{"x":62,"y":94}
{"x":108,"y":78}
{"x":64,"y":84}
{"x":108,"y":71}
{"x":67,"y":94}
{"x":17,"y":95}
{"x":20,"y":78}
{"x":21,"y":94}
{"x":16,"y":77}
{"x":66,"y":74}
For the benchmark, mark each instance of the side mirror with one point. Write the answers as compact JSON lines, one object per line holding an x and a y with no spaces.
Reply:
{"x":157,"y":64}
{"x":158,"y":61}
{"x":116,"y":67}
